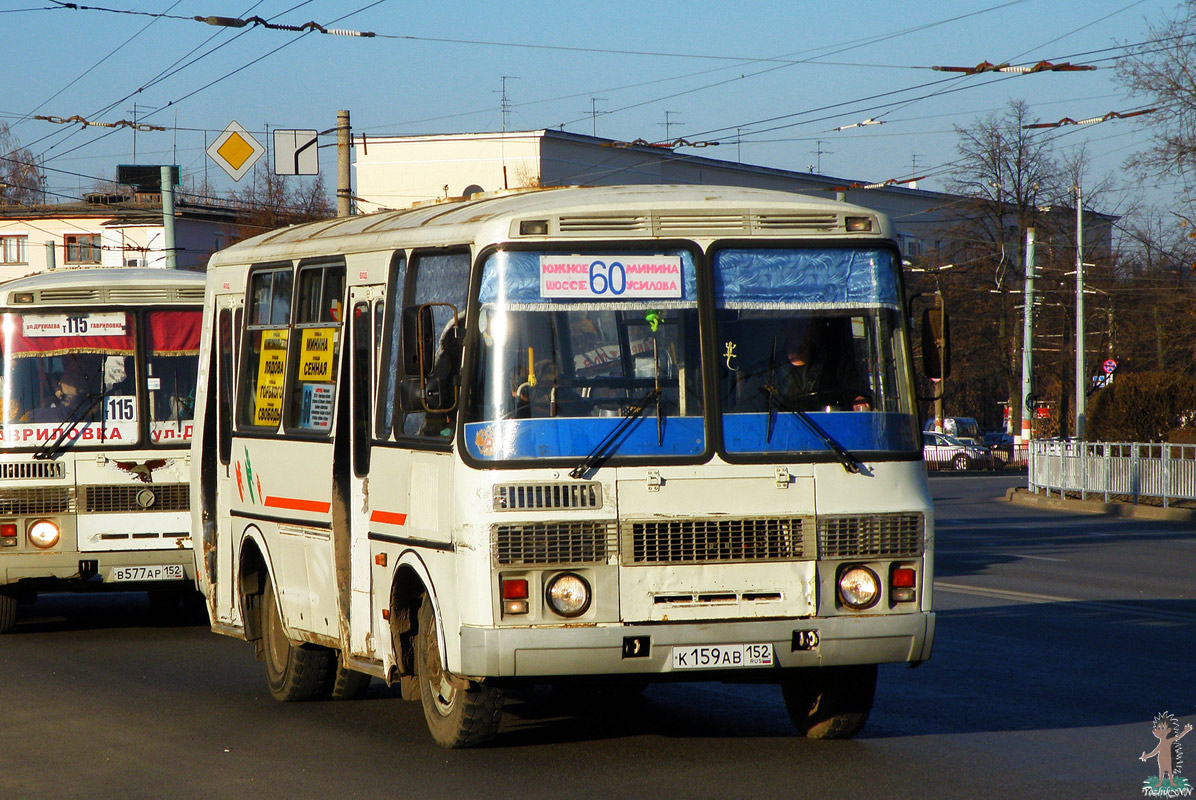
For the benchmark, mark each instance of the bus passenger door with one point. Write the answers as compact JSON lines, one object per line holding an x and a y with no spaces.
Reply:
{"x":228,"y":322}
{"x":362,"y":349}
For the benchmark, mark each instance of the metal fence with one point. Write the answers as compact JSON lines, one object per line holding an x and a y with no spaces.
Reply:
{"x":1134,"y":470}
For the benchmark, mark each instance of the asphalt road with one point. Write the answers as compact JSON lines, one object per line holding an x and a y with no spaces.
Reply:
{"x":1060,"y":636}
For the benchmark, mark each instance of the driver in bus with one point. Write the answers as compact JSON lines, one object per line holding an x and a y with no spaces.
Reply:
{"x":70,"y":394}
{"x":819,"y":370}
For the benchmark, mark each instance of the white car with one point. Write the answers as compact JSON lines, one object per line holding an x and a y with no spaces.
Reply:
{"x":945,"y":451}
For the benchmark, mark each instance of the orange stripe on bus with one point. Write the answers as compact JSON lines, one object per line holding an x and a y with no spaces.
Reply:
{"x":295,"y":504}
{"x":389,"y":517}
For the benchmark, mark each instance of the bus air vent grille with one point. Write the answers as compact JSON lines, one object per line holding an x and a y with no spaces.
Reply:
{"x":682,"y":223}
{"x":871,"y":536}
{"x":131,"y":498}
{"x":629,"y":223}
{"x":44,"y":470}
{"x":536,"y":543}
{"x":140,"y":295}
{"x":70,"y":296}
{"x":42,"y":500}
{"x":195,"y":295}
{"x":533,"y":496}
{"x":798,"y":222}
{"x":706,"y":540}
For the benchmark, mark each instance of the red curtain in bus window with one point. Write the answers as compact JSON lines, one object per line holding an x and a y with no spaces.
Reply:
{"x":175,"y":333}
{"x":55,"y":334}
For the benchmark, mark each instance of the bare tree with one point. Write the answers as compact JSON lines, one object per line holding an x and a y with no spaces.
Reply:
{"x":20,"y":180}
{"x":274,"y":201}
{"x":1163,"y":72}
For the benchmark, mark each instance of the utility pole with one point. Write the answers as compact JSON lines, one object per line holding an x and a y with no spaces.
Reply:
{"x":1027,"y":431}
{"x":344,"y":191}
{"x":1080,"y":387}
{"x":940,"y":344}
{"x":168,"y":217}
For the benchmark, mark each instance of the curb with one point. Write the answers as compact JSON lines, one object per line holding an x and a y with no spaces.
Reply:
{"x":1024,"y":497}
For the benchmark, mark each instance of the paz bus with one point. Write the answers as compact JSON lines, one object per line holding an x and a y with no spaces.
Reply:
{"x":97,"y":385}
{"x":549,"y":435}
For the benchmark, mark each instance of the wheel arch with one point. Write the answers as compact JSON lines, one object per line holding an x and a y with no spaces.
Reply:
{"x":409,"y":582}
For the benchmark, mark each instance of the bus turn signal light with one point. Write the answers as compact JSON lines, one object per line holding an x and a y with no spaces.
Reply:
{"x":8,"y":534}
{"x":514,"y":596}
{"x":904,"y":583}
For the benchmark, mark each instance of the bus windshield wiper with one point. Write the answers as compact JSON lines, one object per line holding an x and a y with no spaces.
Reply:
{"x":68,"y":426}
{"x":845,"y":456}
{"x":601,"y":451}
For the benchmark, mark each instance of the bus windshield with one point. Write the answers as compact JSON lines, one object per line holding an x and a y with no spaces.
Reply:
{"x":810,"y":342}
{"x":571,"y":346}
{"x":72,"y":375}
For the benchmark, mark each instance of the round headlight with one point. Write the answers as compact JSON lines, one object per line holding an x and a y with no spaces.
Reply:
{"x":43,"y":534}
{"x":568,"y":594}
{"x":858,"y":587}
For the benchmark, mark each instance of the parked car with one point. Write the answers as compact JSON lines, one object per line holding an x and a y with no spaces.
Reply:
{"x":948,"y":451}
{"x":1000,"y":444}
{"x":959,"y":427}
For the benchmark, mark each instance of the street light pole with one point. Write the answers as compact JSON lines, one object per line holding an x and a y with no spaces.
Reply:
{"x":1027,"y":343}
{"x":1080,"y":376}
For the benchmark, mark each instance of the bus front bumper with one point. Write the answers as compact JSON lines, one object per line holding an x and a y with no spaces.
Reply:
{"x":604,"y":649}
{"x":114,"y":571}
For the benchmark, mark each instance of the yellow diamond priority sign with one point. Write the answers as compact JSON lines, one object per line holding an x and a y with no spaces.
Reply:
{"x":236,"y":151}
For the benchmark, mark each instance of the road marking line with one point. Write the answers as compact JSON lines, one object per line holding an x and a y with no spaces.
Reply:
{"x":1112,"y":607}
{"x":1036,"y":558}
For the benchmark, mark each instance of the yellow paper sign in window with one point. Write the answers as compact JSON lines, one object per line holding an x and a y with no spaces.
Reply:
{"x":271,"y":378}
{"x":315,"y":354}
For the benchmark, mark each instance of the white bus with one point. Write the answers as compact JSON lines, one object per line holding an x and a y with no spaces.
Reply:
{"x":620,"y":433}
{"x":97,"y":385}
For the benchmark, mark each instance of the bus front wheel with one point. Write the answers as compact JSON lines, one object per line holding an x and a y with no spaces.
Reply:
{"x":294,"y":672}
{"x":8,"y":612}
{"x":830,"y":702}
{"x":460,"y":712}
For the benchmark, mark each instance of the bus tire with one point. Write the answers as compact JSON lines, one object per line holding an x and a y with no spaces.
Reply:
{"x":8,"y":612}
{"x":459,"y":712}
{"x":294,"y":672}
{"x":830,"y":702}
{"x":347,"y":684}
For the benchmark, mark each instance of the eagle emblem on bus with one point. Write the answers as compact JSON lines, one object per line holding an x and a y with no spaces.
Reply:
{"x":484,"y":440}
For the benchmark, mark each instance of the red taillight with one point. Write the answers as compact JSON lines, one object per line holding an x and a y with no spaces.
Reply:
{"x":905,"y":578}
{"x":8,"y":529}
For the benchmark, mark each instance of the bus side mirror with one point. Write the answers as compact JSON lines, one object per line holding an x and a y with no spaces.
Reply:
{"x":417,"y":341}
{"x":936,"y":343}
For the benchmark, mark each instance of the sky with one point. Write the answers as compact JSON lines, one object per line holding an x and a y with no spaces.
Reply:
{"x":756,"y":81}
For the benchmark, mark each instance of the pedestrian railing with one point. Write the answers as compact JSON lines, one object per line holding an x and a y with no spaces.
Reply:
{"x":1134,"y":469}
{"x":996,"y":457}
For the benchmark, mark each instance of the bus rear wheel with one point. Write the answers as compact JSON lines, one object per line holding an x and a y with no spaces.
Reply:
{"x":459,"y":712}
{"x":8,"y":612}
{"x":294,"y":672}
{"x":830,"y":702}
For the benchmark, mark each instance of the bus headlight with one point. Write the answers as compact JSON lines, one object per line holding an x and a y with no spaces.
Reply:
{"x":44,"y":534}
{"x":859,"y":588}
{"x":568,"y":594}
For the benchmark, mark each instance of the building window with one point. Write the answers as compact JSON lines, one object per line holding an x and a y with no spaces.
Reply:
{"x":82,"y":248}
{"x":12,"y":249}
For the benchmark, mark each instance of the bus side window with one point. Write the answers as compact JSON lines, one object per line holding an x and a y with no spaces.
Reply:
{"x":263,"y":367}
{"x":441,"y":279}
{"x":316,"y":338}
{"x":387,"y":335}
{"x":224,"y":384}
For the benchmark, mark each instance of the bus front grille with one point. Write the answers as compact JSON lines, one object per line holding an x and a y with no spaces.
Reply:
{"x":133,"y":498}
{"x":538,"y":543}
{"x":36,"y":501}
{"x":525,"y":496}
{"x":41,"y":470}
{"x":706,"y":540}
{"x":871,"y":536}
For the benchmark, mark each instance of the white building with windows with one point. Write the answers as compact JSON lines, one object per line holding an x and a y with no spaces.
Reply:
{"x":108,"y":230}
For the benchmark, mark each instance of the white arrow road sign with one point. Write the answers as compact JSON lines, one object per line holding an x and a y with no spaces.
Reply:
{"x":295,"y":153}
